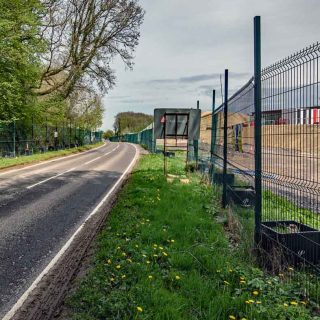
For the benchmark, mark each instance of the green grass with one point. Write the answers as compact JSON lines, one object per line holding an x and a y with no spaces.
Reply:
{"x":164,"y":254}
{"x":11,"y":162}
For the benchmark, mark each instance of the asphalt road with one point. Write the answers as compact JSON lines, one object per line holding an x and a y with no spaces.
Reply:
{"x":41,"y":207}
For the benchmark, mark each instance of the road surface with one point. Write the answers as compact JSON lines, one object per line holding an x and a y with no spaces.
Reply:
{"x":41,"y":206}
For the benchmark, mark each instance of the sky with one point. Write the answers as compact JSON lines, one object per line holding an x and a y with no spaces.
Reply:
{"x":186,"y":45}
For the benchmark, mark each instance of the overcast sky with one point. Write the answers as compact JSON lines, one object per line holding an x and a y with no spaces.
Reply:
{"x":186,"y":44}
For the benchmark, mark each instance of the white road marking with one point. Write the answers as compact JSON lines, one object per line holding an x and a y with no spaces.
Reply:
{"x":69,"y":170}
{"x":23,"y":298}
{"x":49,"y":161}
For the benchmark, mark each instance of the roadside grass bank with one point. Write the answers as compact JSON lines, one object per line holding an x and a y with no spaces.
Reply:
{"x":12,"y":162}
{"x":169,"y":252}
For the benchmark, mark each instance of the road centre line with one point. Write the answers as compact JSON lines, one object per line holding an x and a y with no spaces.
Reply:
{"x":51,"y":264}
{"x":69,"y":170}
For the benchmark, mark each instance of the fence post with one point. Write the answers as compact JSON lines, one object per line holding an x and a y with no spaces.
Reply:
{"x":213,"y":132}
{"x":225,"y":139}
{"x":196,"y":142}
{"x":257,"y":126}
{"x":14,"y":138}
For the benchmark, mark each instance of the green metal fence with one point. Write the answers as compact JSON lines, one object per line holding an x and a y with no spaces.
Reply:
{"x":28,"y":137}
{"x":145,"y":138}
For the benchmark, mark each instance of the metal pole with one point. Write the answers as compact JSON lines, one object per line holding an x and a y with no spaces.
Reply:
{"x":213,"y":132}
{"x":195,"y":142}
{"x":257,"y":126}
{"x":14,"y":138}
{"x":225,"y":140}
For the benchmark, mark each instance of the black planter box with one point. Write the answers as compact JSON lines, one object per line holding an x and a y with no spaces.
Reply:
{"x":241,"y":195}
{"x":298,"y":241}
{"x":218,"y":178}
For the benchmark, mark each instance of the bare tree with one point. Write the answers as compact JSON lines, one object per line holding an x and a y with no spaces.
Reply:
{"x":83,"y":37}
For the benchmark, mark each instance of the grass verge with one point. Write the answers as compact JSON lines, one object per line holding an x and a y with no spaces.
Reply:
{"x":12,"y":162}
{"x":166,"y":253}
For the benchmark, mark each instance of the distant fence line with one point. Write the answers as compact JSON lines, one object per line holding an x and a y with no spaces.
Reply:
{"x":26,"y":138}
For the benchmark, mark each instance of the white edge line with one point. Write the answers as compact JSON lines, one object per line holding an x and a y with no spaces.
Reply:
{"x":49,"y":161}
{"x":51,"y":264}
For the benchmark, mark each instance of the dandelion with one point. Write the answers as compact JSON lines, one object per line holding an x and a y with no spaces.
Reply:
{"x":124,"y":254}
{"x":178,"y":278}
{"x":242,"y":282}
{"x":230,"y":270}
{"x":172,"y":241}
{"x":129,"y":260}
{"x":290,"y":269}
{"x":243,"y":318}
{"x":226,"y":282}
{"x":144,"y":255}
{"x":155,"y":245}
{"x":123,"y":276}
{"x":251,"y":301}
{"x":269,"y":282}
{"x":150,"y":277}
{"x":155,"y":255}
{"x":118,"y":266}
{"x":232,"y":317}
{"x":294,"y":303}
{"x":242,"y":278}
{"x":258,"y":302}
{"x":165,"y":254}
{"x":286,"y":305}
{"x":303,"y":302}
{"x":112,"y":279}
{"x":136,"y":246}
{"x":161,"y":248}
{"x":247,"y":302}
{"x":148,"y":262}
{"x":109,"y":261}
{"x":255,"y":293}
{"x":118,"y":248}
{"x":148,"y":220}
{"x":164,"y":230}
{"x":139,"y":309}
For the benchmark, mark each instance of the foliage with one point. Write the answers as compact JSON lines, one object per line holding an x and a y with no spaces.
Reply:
{"x":20,"y":45}
{"x":162,"y":255}
{"x":128,"y":122}
{"x":107,"y":134}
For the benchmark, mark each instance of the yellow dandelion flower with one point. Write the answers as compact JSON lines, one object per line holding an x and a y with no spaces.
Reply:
{"x":109,"y":261}
{"x":136,"y":246}
{"x":269,"y":282}
{"x":124,"y":254}
{"x":155,"y":245}
{"x":226,"y":282}
{"x":123,"y":276}
{"x":164,"y":230}
{"x":294,"y":303}
{"x":290,"y":269}
{"x":232,"y":317}
{"x":242,"y":278}
{"x":161,"y":248}
{"x":178,"y":277}
{"x":165,"y":254}
{"x":303,"y":302}
{"x":148,"y":262}
{"x":242,"y":282}
{"x":118,"y":248}
{"x":243,"y":318}
{"x":247,"y":302}
{"x":112,"y":279}
{"x":129,"y":260}
{"x":148,"y":220}
{"x":144,"y":255}
{"x":251,"y":301}
{"x":118,"y":266}
{"x":172,"y":241}
{"x":230,"y":270}
{"x":155,"y":255}
{"x":150,"y":277}
{"x":139,"y":309}
{"x":286,"y":305}
{"x":255,"y":293}
{"x":258,"y":302}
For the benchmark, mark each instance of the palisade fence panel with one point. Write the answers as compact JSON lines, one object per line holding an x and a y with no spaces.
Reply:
{"x":27,"y":137}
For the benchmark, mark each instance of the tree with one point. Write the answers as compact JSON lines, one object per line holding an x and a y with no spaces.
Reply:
{"x":20,"y":46}
{"x":107,"y":134}
{"x":129,"y":122}
{"x":84,"y":37}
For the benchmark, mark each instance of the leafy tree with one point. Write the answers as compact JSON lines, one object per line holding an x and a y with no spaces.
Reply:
{"x":128,"y":122}
{"x":20,"y":45}
{"x":107,"y":134}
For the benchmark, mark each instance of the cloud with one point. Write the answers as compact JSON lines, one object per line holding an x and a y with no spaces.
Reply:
{"x":199,"y":78}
